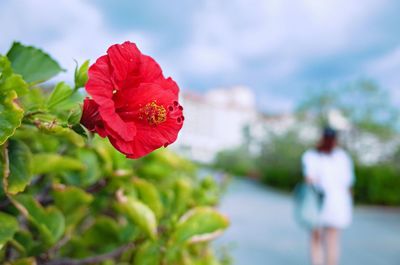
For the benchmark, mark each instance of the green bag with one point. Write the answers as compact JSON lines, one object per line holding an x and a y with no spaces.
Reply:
{"x":307,"y":205}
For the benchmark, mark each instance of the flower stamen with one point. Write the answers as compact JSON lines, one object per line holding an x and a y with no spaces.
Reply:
{"x":154,"y":114}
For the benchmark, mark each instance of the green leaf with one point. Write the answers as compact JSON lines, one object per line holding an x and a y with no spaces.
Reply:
{"x":5,"y":67}
{"x":32,"y":246}
{"x":104,"y":228}
{"x":20,"y":165}
{"x":15,"y":82}
{"x":10,"y":115}
{"x":64,"y":100}
{"x":183,"y":193}
{"x":74,"y":116}
{"x":24,"y":261}
{"x":91,"y":171}
{"x":199,"y":224}
{"x":55,"y":163}
{"x":33,"y":64}
{"x":148,"y":193}
{"x":101,"y":236}
{"x":141,"y":215}
{"x":60,"y":93}
{"x":62,"y":132}
{"x":81,"y":74}
{"x":10,"y":81}
{"x":49,"y":221}
{"x":73,"y":203}
{"x":103,"y":151}
{"x":34,"y":100}
{"x":148,"y":253}
{"x":8,"y":228}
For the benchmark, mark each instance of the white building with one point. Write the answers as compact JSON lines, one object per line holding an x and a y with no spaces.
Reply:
{"x":214,"y":121}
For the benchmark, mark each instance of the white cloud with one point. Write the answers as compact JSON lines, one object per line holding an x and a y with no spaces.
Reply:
{"x":275,"y":104}
{"x":388,"y":64}
{"x":67,"y":29}
{"x":228,"y":33}
{"x":228,"y":38}
{"x":386,"y":70}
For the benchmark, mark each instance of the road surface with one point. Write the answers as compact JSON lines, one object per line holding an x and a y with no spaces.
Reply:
{"x":263,"y":231}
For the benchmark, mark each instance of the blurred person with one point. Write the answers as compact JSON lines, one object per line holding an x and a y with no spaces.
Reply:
{"x":329,"y":169}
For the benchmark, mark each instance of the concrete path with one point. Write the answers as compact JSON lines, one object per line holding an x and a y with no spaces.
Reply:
{"x":263,"y":231}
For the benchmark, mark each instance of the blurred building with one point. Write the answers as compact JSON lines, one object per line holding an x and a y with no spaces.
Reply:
{"x":226,"y":118}
{"x":215,"y":121}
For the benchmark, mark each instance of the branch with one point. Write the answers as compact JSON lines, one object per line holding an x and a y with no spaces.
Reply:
{"x":33,"y":113}
{"x":43,"y":198}
{"x":58,"y":245}
{"x":96,"y":187}
{"x":90,"y":260}
{"x":4,"y":203}
{"x":6,"y":167}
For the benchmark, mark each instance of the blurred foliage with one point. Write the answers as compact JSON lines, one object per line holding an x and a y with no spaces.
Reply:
{"x":369,"y":112}
{"x":68,"y":197}
{"x":281,"y":157}
{"x":238,"y":162}
{"x":278,"y":165}
{"x":367,"y":106}
{"x":378,"y":184}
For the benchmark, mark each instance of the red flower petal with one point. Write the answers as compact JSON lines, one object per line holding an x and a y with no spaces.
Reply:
{"x":132,"y":103}
{"x":124,"y":59}
{"x":169,"y":84}
{"x":100,"y":87}
{"x":149,"y":136}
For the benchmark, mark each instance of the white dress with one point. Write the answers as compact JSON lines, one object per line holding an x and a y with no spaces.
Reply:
{"x":333,"y":174}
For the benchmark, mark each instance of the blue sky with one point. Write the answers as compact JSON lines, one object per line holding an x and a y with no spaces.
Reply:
{"x":279,"y":48}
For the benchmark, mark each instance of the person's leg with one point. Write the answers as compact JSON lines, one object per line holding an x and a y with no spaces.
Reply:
{"x":332,"y":245}
{"x":316,"y":249}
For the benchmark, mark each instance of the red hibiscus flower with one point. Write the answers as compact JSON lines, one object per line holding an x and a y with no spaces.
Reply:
{"x":131,"y":103}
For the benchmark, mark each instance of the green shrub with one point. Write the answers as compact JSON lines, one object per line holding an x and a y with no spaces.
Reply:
{"x":238,"y":162}
{"x":68,"y":197}
{"x":378,"y":184}
{"x":279,"y":161}
{"x":279,"y":166}
{"x":284,"y":178}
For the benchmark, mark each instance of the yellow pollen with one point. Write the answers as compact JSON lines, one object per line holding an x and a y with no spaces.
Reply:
{"x":154,"y":114}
